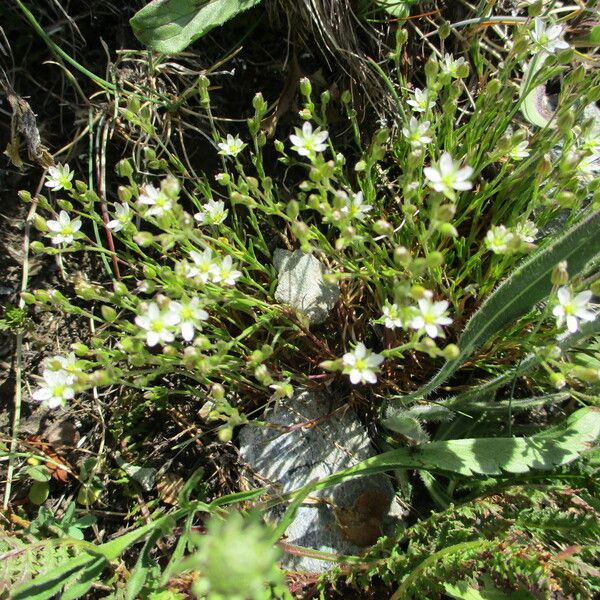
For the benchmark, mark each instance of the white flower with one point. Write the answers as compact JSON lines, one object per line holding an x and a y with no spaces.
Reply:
{"x":205,"y":267}
{"x":232,"y":146}
{"x":447,"y":176}
{"x":450,"y":65}
{"x":430,"y":317}
{"x":123,"y":216}
{"x":398,"y":316}
{"x":354,"y":207}
{"x":56,"y":388}
{"x":63,"y":230}
{"x":421,"y":102}
{"x":306,"y":141}
{"x":212,"y":213}
{"x":361,"y":364}
{"x":519,"y":151}
{"x":572,"y":309}
{"x":59,"y":177}
{"x":547,"y":39}
{"x":499,"y":239}
{"x":226,"y":274}
{"x":526,"y":231}
{"x":157,"y":324}
{"x":156,"y":199}
{"x":190,"y":314}
{"x":416,"y":133}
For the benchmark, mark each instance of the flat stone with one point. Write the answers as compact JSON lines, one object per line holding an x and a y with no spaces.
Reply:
{"x":301,"y":285}
{"x":343,"y":519}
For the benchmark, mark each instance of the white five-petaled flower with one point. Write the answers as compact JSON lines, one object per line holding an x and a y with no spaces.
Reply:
{"x":212,"y":213}
{"x":232,"y":146}
{"x":417,"y":133}
{"x":448,"y":176}
{"x":122,"y":216}
{"x":499,"y":239}
{"x":519,"y":151}
{"x":361,"y":364}
{"x":190,"y":314}
{"x":63,"y":230}
{"x":226,"y":274}
{"x":398,"y":316}
{"x":205,"y":267}
{"x":420,"y":102}
{"x":547,"y":39}
{"x":157,"y":324}
{"x":156,"y":199}
{"x":450,"y":65}
{"x":56,"y":388}
{"x":526,"y":231}
{"x":431,"y":316}
{"x":354,"y":207}
{"x":307,"y":142}
{"x":59,"y":177}
{"x":572,"y":309}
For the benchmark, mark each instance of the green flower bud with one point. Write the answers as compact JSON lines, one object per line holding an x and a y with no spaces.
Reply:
{"x":451,"y":352}
{"x":124,"y":194}
{"x":143,"y":238}
{"x":124,"y":168}
{"x":39,"y":223}
{"x":435,"y":259}
{"x":292,"y":209}
{"x":24,"y":196}
{"x":28,"y":298}
{"x":305,"y":87}
{"x":109,"y":314}
{"x":37,"y":247}
{"x":402,"y":256}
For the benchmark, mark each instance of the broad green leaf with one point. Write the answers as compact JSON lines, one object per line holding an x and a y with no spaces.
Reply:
{"x":519,"y":293}
{"x":170,"y":26}
{"x":488,"y":456}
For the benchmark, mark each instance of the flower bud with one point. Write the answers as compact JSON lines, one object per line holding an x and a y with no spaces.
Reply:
{"x":402,"y":256}
{"x":109,"y":314}
{"x":39,"y":223}
{"x":451,"y":352}
{"x":382,"y":227}
{"x":24,"y":196}
{"x":305,"y":87}
{"x":124,"y":168}
{"x":560,"y":275}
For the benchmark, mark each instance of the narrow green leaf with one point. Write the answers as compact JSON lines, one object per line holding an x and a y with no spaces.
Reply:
{"x":519,"y":293}
{"x":170,"y":26}
{"x":565,"y":342}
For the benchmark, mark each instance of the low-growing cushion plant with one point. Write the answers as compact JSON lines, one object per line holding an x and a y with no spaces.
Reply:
{"x":462,"y":239}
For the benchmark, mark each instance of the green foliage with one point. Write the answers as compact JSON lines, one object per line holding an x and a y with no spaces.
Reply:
{"x":525,"y":541}
{"x":170,"y":26}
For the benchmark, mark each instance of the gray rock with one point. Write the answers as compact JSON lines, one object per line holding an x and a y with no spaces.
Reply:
{"x":343,"y":519}
{"x":301,"y":285}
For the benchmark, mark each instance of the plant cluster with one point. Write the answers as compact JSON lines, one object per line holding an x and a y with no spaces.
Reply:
{"x":462,"y":239}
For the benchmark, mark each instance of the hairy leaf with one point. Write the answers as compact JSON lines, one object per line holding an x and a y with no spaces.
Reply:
{"x":488,"y":456}
{"x":170,"y":26}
